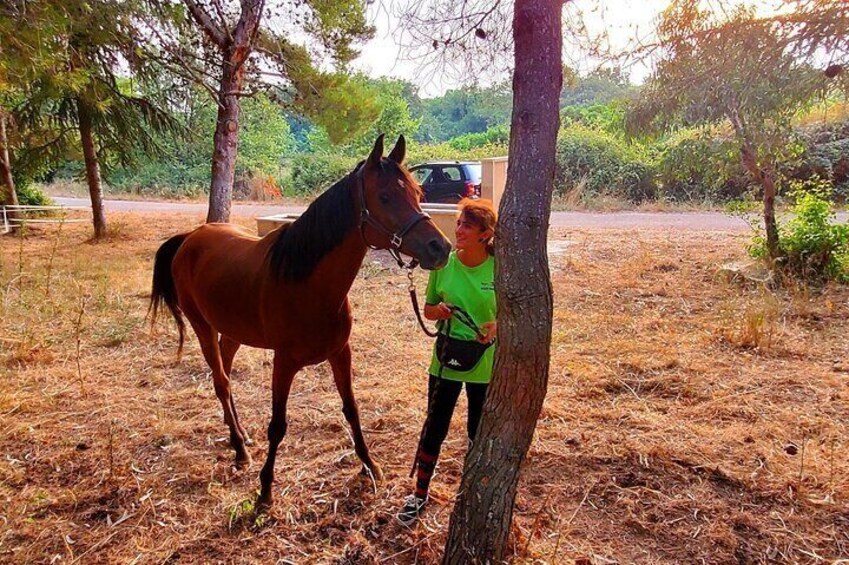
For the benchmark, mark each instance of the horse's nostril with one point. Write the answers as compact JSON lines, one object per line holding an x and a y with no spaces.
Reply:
{"x":437,"y":247}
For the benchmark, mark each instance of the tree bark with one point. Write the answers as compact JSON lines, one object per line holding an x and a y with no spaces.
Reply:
{"x":480,"y":523}
{"x":10,"y":195}
{"x":770,"y":224}
{"x":226,"y":144}
{"x":235,"y":48}
{"x":764,"y":177}
{"x":92,"y":168}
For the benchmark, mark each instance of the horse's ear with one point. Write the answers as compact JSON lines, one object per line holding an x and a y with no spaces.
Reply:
{"x":399,"y":151}
{"x":376,"y":152}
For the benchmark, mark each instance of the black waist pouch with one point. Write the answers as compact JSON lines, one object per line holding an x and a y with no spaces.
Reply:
{"x":459,"y":354}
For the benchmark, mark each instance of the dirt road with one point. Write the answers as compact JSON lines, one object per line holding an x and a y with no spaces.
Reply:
{"x":683,"y":221}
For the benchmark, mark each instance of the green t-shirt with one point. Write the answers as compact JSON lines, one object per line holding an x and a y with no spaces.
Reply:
{"x":473,"y":290}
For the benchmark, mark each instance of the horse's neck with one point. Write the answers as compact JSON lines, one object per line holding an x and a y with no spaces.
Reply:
{"x":335,"y":273}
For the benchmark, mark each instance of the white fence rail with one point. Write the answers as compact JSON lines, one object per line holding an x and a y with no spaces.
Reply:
{"x":19,"y":215}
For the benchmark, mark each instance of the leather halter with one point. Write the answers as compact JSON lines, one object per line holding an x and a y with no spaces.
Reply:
{"x":396,"y":239}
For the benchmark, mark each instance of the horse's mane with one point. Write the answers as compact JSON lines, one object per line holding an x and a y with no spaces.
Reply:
{"x":303,"y":244}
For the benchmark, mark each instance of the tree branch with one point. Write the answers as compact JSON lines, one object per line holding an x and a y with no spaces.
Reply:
{"x":246,"y":31}
{"x":215,"y":34}
{"x":183,"y":68}
{"x":219,"y":9}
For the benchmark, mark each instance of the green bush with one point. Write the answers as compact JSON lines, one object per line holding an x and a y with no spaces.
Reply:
{"x":602,"y":165}
{"x":608,"y":117}
{"x":698,"y":165}
{"x":309,"y":174}
{"x":312,"y":174}
{"x":23,"y":175}
{"x":422,"y":153}
{"x":828,"y":160}
{"x":29,"y":195}
{"x":812,"y":246}
{"x":496,"y":135}
{"x":158,"y":178}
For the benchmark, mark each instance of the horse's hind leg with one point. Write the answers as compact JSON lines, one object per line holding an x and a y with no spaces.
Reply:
{"x":228,"y":348}
{"x":342,"y":375}
{"x":208,"y":339}
{"x":281,"y":384}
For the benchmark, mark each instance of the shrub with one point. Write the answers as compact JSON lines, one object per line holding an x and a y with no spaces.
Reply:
{"x":608,"y":117}
{"x":422,"y":153}
{"x":699,"y":165}
{"x":813,"y":247}
{"x":256,"y":186}
{"x":311,"y":174}
{"x":602,"y":165}
{"x":29,"y":195}
{"x":828,"y":160}
{"x":174,"y":179}
{"x":496,"y":135}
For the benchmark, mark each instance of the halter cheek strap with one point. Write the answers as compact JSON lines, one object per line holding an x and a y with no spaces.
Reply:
{"x":396,"y":239}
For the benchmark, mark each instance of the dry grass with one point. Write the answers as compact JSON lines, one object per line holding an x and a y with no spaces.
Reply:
{"x":575,"y":201}
{"x":687,"y":420}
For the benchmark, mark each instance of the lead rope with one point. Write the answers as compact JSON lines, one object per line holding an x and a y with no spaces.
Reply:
{"x":462,"y":316}
{"x":465,"y":319}
{"x":415,"y":300}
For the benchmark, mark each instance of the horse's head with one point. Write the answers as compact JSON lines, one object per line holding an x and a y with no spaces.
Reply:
{"x":390,"y":215}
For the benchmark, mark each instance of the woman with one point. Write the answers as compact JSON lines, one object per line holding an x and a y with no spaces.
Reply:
{"x":461,"y":298}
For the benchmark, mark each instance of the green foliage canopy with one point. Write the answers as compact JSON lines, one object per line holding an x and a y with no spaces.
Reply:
{"x":735,"y":70}
{"x":88,"y":42}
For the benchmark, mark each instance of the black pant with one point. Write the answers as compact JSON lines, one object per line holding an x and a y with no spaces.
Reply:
{"x":442,"y":395}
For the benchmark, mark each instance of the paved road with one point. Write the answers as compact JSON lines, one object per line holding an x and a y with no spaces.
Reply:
{"x":690,"y":221}
{"x":148,"y":206}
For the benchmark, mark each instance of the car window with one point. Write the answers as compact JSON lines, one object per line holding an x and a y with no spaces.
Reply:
{"x":452,"y":173}
{"x":422,"y":175}
{"x":474,"y":173}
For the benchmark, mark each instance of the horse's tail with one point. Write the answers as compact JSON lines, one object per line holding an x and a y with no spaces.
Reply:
{"x":163,"y":289}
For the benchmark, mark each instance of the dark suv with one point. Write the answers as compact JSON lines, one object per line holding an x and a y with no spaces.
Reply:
{"x":448,"y":181}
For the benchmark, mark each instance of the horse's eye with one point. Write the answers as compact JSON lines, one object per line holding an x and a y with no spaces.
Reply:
{"x":384,"y":198}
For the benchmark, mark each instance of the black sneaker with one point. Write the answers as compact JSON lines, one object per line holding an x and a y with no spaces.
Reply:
{"x":413,"y":507}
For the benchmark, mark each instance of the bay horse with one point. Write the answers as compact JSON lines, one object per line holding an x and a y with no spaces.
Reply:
{"x":288,"y":291}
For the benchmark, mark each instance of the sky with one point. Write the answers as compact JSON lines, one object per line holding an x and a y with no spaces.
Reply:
{"x":623,"y":20}
{"x":382,"y":56}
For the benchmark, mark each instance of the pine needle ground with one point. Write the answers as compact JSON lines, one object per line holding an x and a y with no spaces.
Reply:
{"x":688,"y":419}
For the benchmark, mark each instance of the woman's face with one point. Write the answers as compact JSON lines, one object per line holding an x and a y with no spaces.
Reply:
{"x":469,"y":235}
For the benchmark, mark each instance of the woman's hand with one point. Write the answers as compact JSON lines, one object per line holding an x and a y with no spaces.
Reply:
{"x":489,"y":331}
{"x":439,"y":311}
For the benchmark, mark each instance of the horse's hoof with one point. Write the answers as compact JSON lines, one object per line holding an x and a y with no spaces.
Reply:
{"x":263,"y":504}
{"x":375,"y":471}
{"x":248,"y":441}
{"x":243,"y":462}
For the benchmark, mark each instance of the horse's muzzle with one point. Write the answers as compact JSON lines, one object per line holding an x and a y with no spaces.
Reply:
{"x":435,"y":254}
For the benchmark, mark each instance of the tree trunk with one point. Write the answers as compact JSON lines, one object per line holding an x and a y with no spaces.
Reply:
{"x":235,"y":48}
{"x":480,"y":523}
{"x":92,"y":169}
{"x":764,"y":176}
{"x":226,"y":142}
{"x":10,"y":196}
{"x":771,"y":226}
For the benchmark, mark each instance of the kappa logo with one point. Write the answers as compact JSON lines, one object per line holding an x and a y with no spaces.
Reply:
{"x":453,"y":362}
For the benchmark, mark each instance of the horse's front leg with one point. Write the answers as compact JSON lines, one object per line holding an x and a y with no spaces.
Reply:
{"x":343,"y":376}
{"x":281,"y":384}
